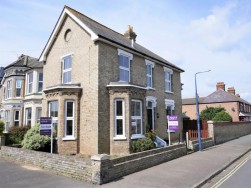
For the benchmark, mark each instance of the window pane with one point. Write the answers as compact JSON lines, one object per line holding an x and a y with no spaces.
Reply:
{"x":136,"y":108}
{"x":149,"y":81}
{"x":69,"y":112}
{"x":168,"y":86}
{"x":31,"y":77}
{"x":124,"y":75}
{"x":40,"y":77}
{"x":69,"y":127}
{"x":53,"y":109}
{"x":67,"y":77}
{"x":119,"y":127}
{"x":124,"y":61}
{"x":18,"y":83}
{"x":67,"y":62}
{"x":149,"y":69}
{"x":119,"y":111}
{"x":18,"y":92}
{"x":40,"y":86}
{"x":16,"y":115}
{"x":167,"y":75}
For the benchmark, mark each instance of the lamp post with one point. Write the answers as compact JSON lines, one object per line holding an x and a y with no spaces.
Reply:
{"x":197,"y":110}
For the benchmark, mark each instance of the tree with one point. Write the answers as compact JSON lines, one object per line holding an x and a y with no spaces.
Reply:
{"x":222,"y":116}
{"x":210,"y":112}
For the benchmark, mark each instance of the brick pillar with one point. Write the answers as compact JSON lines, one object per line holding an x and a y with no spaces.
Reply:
{"x":211,"y":130}
{"x":100,"y":164}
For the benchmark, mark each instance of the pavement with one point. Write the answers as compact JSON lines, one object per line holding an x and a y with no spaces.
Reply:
{"x":189,"y":171}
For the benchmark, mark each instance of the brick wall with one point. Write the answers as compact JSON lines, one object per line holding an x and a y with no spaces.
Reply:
{"x":224,"y":131}
{"x":100,"y":169}
{"x":70,"y":166}
{"x":205,"y":143}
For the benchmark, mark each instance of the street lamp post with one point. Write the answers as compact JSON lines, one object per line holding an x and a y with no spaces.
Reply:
{"x":197,"y":110}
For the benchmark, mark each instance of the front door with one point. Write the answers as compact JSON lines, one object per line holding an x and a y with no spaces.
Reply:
{"x":150,"y":116}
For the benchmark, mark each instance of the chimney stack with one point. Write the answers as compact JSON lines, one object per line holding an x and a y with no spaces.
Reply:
{"x":231,"y":90}
{"x":220,"y":85}
{"x":238,"y":95}
{"x":130,"y":34}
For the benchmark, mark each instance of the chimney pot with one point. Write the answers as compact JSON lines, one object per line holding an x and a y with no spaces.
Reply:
{"x":231,"y":90}
{"x":220,"y":85}
{"x":130,"y":34}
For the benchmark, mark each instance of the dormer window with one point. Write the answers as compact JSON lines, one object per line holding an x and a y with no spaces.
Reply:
{"x":124,"y":65}
{"x":67,"y":68}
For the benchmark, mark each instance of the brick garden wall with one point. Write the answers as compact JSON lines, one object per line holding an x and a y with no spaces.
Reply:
{"x":70,"y":166}
{"x":100,"y":169}
{"x":224,"y":131}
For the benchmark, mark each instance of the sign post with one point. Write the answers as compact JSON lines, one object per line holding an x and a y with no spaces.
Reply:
{"x":46,"y":128}
{"x":173,"y":125}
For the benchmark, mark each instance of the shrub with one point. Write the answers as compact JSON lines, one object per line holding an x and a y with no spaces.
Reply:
{"x":1,"y":127}
{"x":222,"y":116}
{"x":34,"y":141}
{"x":16,"y":134}
{"x":152,"y":135}
{"x":209,"y":113}
{"x":142,"y":144}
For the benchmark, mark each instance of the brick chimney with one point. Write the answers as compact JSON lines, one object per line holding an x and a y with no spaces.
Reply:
{"x":130,"y":34}
{"x":231,"y":90}
{"x":220,"y":85}
{"x":238,"y":95}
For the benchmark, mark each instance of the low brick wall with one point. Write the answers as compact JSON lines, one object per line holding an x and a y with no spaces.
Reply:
{"x":71,"y":166}
{"x":100,"y":169}
{"x":224,"y":131}
{"x":116,"y":168}
{"x":206,"y":143}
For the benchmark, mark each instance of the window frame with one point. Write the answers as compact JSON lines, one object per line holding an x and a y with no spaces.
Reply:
{"x":54,"y":105}
{"x":151,"y":64}
{"x":137,"y":135}
{"x":169,"y":80}
{"x":30,"y":82}
{"x":122,"y":117}
{"x":66,"y":118}
{"x":18,"y":87}
{"x":40,"y":82}
{"x":7,"y":120}
{"x":16,"y":120}
{"x":130,"y":57}
{"x":9,"y":88}
{"x":26,"y":116}
{"x":63,"y":58}
{"x":37,"y":114}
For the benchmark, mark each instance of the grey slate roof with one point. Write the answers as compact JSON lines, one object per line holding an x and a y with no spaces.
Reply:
{"x":113,"y":36}
{"x":25,"y":61}
{"x":219,"y":96}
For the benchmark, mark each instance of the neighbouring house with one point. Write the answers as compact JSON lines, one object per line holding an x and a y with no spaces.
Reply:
{"x":103,"y":90}
{"x":238,"y":108}
{"x":21,"y":92}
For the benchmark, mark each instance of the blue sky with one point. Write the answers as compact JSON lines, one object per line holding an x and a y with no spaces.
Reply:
{"x":195,"y":35}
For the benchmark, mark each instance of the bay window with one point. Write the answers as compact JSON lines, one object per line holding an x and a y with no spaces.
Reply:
{"x":18,"y":88}
{"x":136,"y":118}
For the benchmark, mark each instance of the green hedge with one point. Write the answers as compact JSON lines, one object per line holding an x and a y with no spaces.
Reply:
{"x":16,"y":134}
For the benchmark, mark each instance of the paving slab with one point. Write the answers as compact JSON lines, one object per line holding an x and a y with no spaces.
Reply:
{"x":188,"y":171}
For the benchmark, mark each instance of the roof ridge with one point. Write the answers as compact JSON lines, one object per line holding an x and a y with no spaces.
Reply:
{"x":93,"y":20}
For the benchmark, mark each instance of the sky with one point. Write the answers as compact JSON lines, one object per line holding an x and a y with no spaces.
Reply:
{"x":195,"y":35}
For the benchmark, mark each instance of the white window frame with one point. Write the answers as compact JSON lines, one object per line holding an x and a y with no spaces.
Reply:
{"x":122,"y":117}
{"x":69,"y":137}
{"x":66,"y":70}
{"x":151,"y":64}
{"x":18,"y":87}
{"x":130,"y":57}
{"x":168,"y":81}
{"x":26,"y":116}
{"x":30,"y":82}
{"x":7,"y":120}
{"x":54,"y":105}
{"x":138,"y":135}
{"x":37,"y":114}
{"x":39,"y":82}
{"x":16,"y":120}
{"x":9,"y":88}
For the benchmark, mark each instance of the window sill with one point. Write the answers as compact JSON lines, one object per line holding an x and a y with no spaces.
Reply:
{"x":170,"y":92}
{"x":137,"y":136}
{"x":119,"y":138}
{"x":69,"y":138}
{"x":150,"y":88}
